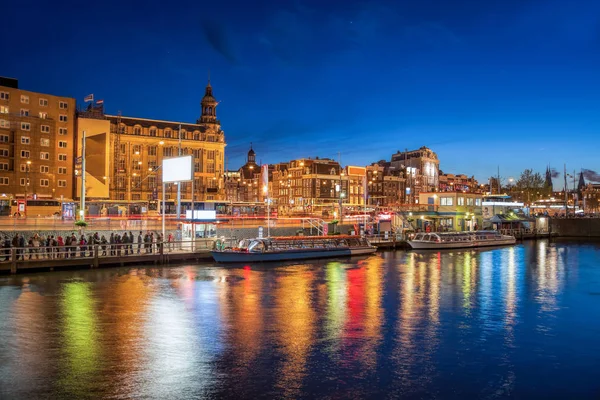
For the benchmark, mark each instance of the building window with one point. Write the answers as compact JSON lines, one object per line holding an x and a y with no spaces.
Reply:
{"x":62,"y":183}
{"x":25,"y":126}
{"x":3,"y":109}
{"x":121,"y":196}
{"x":137,"y":149}
{"x":197,"y":167}
{"x":122,"y":128}
{"x":23,"y":167}
{"x":210,"y":168}
{"x":4,"y":123}
{"x":44,"y":169}
{"x":196,"y":135}
{"x":3,"y":152}
{"x":210,"y":154}
{"x":24,"y":112}
{"x":153,"y":131}
{"x":152,"y":182}
{"x":136,"y":196}
{"x":62,"y":131}
{"x":45,"y":128}
{"x":43,"y":115}
{"x":3,"y":180}
{"x":461,"y":201}
{"x":24,"y":99}
{"x":152,"y":151}
{"x":4,"y":96}
{"x":470,"y":201}
{"x":4,"y":138}
{"x":477,"y":202}
{"x":62,"y":157}
{"x":63,"y":105}
{"x":24,"y":153}
{"x":168,"y":152}
{"x":210,"y":138}
{"x":122,"y":148}
{"x":44,"y":155}
{"x":44,"y":102}
{"x":122,"y":164}
{"x":62,"y":144}
{"x":24,"y":182}
{"x":44,"y":182}
{"x":4,"y":166}
{"x":168,"y":133}
{"x":62,"y":118}
{"x":446,"y":201}
{"x":45,"y":142}
{"x":62,"y":170}
{"x":151,"y":165}
{"x":137,"y":130}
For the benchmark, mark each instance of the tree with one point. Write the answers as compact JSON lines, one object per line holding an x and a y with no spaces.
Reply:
{"x":530,"y":185}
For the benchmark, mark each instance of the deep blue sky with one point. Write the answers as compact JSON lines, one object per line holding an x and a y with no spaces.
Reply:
{"x":514,"y":83}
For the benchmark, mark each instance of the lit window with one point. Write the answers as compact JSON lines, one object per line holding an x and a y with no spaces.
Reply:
{"x":3,"y":109}
{"x":24,"y":99}
{"x":461,"y":201}
{"x":43,"y":115}
{"x":44,"y":155}
{"x":45,"y":142}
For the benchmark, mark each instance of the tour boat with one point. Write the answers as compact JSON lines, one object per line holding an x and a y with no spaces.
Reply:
{"x":458,"y":240}
{"x":293,"y":248}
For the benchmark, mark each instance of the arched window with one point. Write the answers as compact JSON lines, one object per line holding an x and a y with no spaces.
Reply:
{"x":196,"y":135}
{"x":137,"y":130}
{"x":122,"y":128}
{"x":168,"y":133}
{"x":153,"y":131}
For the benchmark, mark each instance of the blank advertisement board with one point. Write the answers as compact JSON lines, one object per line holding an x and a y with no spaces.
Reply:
{"x":177,"y":169}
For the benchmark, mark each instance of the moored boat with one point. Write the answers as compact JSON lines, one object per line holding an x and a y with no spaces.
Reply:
{"x":293,"y":248}
{"x":459,"y":240}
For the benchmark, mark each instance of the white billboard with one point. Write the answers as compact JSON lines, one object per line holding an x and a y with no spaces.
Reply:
{"x":177,"y":169}
{"x":201,"y":214}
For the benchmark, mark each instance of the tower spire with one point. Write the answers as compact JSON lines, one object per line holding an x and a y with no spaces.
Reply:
{"x":208,"y":106}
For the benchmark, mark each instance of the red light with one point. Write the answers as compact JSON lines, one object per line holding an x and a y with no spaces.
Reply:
{"x":246,"y":267}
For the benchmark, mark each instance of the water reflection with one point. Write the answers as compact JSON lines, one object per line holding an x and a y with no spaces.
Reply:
{"x":449,"y":324}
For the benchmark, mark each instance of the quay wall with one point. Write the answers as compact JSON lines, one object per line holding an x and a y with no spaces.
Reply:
{"x":576,"y":227}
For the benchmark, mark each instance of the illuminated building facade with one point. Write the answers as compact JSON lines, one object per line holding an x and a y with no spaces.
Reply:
{"x":450,"y":211}
{"x":37,"y":140}
{"x":422,"y":170}
{"x":458,"y":183}
{"x":135,"y":147}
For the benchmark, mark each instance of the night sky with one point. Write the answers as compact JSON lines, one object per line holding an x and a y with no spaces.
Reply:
{"x":514,"y":83}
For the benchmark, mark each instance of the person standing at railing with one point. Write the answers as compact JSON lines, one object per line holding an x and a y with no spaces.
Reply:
{"x":125,"y":240}
{"x":139,"y":242}
{"x":82,"y":246}
{"x":131,"y":241}
{"x":170,"y":242}
{"x":151,"y":241}
{"x":111,"y":241}
{"x":103,"y":245}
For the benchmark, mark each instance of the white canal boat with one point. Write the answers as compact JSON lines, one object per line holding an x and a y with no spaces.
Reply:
{"x":293,"y":248}
{"x":459,"y":240}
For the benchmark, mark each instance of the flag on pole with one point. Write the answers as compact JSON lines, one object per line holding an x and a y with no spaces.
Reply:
{"x":99,"y":102}
{"x":88,"y":98}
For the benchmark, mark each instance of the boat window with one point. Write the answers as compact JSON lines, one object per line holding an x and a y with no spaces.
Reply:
{"x":256,"y":246}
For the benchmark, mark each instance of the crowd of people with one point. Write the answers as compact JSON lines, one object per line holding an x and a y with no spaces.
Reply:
{"x":71,"y":246}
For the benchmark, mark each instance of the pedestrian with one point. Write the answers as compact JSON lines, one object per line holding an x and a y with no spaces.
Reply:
{"x":125,"y":240}
{"x":103,"y":245}
{"x":131,"y":241}
{"x":67,"y":248}
{"x":170,"y":241}
{"x":82,"y":246}
{"x":6,"y":246}
{"x":139,"y":242}
{"x":111,"y":242}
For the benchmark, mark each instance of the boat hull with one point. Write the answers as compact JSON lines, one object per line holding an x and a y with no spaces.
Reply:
{"x":300,"y":254}
{"x":422,"y":245}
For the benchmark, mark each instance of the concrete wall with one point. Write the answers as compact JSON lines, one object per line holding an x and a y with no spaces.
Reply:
{"x":576,"y":227}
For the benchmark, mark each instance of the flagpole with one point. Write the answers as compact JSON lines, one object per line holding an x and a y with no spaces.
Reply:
{"x":82,"y":204}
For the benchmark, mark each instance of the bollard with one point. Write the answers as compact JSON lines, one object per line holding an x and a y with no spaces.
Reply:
{"x":13,"y":260}
{"x":96,"y":254}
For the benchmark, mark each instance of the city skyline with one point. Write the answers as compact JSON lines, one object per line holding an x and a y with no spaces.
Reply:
{"x":476,"y":83}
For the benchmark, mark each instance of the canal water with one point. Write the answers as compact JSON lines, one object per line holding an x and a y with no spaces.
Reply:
{"x":521,"y":322}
